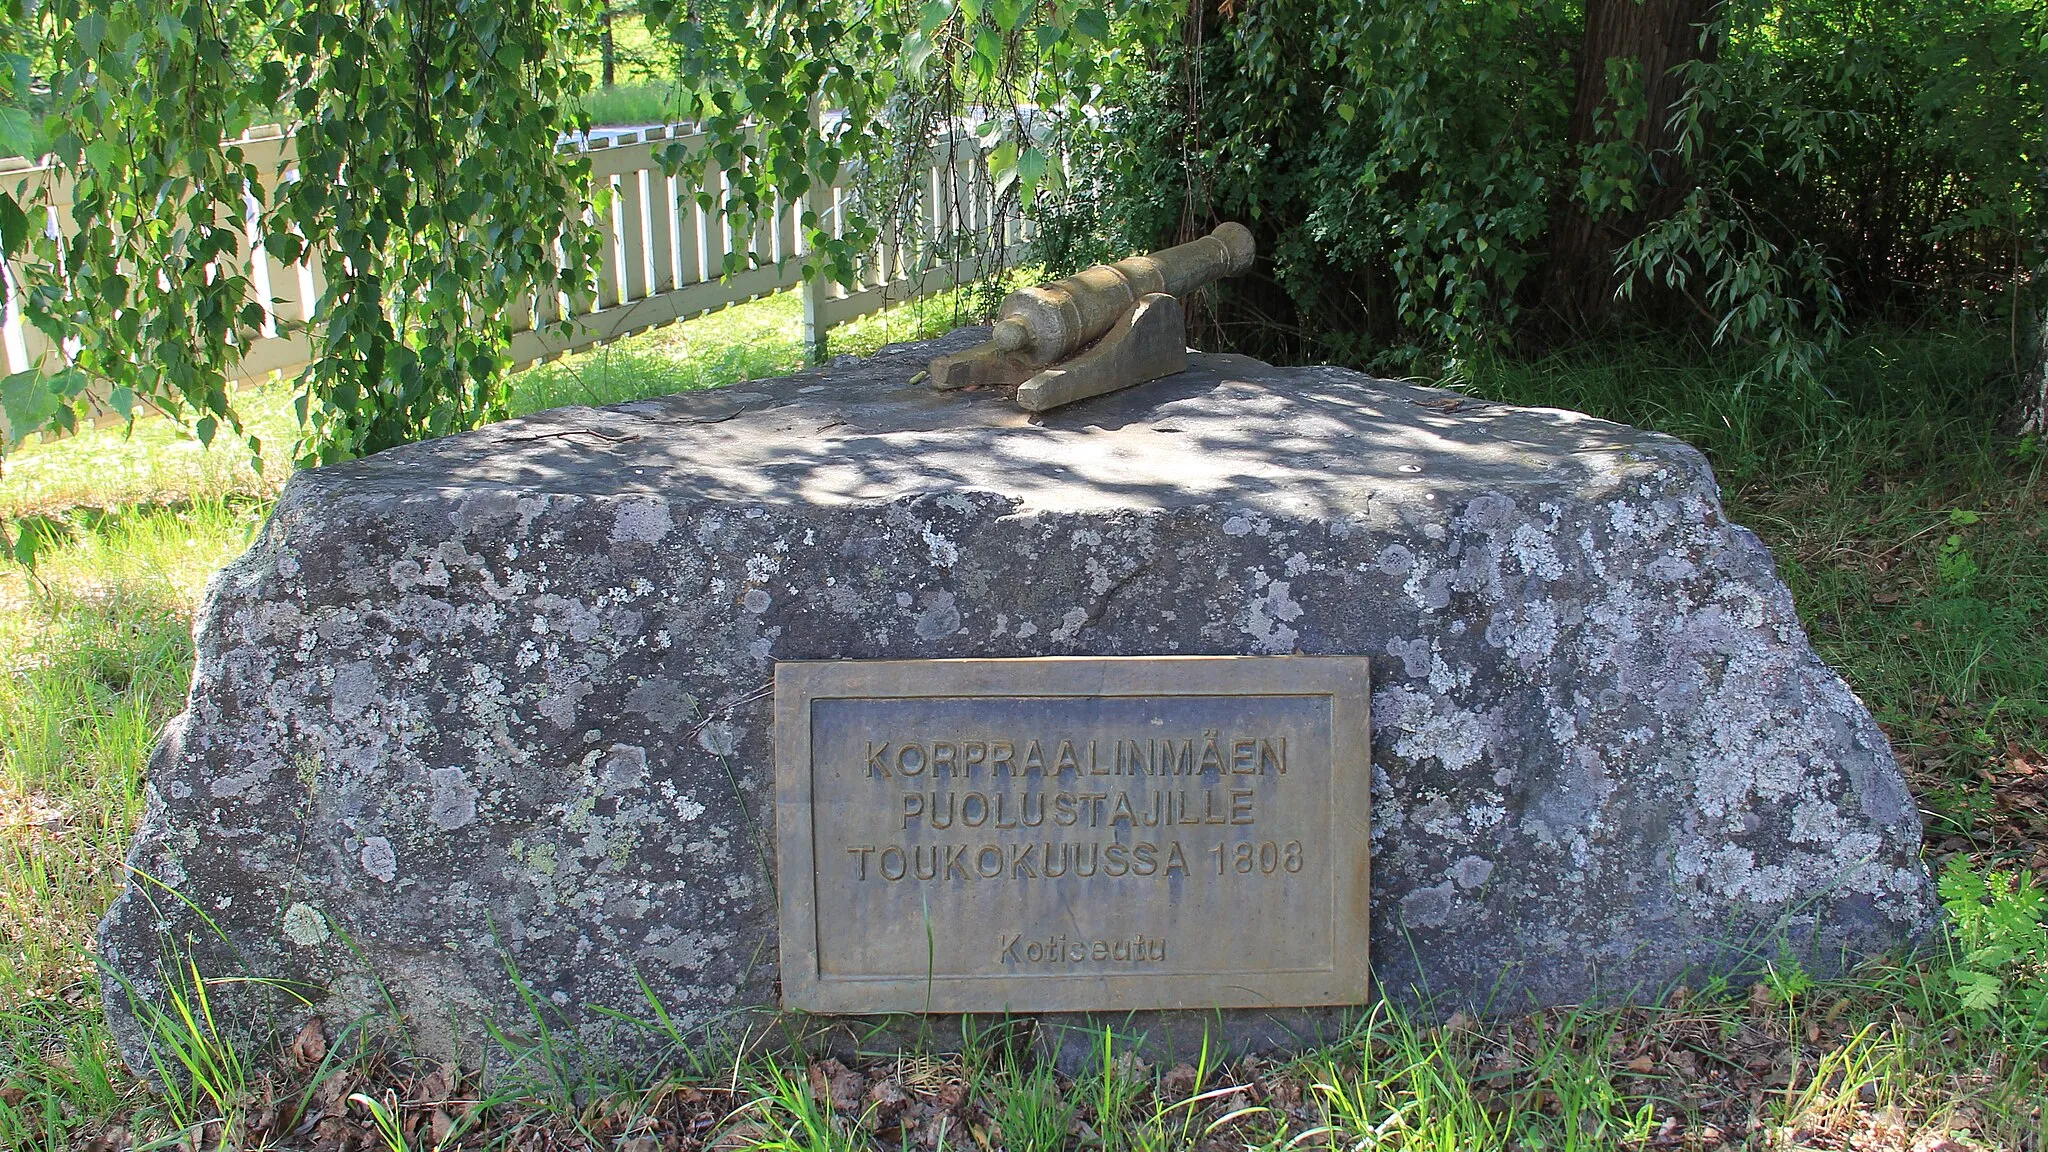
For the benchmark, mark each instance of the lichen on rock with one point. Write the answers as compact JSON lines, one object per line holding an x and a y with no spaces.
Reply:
{"x":482,"y":724}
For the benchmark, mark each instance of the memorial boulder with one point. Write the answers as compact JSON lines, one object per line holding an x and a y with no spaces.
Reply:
{"x":486,"y":729}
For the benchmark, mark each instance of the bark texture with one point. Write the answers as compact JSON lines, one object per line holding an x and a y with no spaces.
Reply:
{"x":1659,"y":37}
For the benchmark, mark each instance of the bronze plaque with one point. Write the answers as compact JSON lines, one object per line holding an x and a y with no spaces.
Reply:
{"x":1083,"y":833}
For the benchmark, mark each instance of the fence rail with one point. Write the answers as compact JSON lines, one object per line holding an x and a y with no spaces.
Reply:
{"x":661,"y":257}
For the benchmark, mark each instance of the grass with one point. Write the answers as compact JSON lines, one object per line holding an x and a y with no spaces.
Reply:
{"x":748,"y":342}
{"x":97,"y":651}
{"x":1909,"y":527}
{"x":1878,"y":1062}
{"x":633,"y":105}
{"x":156,"y":463}
{"x":643,"y":91}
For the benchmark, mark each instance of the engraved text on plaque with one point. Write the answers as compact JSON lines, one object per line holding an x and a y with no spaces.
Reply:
{"x":1072,"y":833}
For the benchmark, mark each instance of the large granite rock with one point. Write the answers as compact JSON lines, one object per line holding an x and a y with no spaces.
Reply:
{"x":480,"y":727}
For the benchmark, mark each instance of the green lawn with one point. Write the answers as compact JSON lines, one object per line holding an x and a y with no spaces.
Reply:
{"x":633,"y":105}
{"x":643,"y":91}
{"x":1908,"y":524}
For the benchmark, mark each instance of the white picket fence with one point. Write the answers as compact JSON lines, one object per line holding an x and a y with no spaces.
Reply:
{"x":661,"y":260}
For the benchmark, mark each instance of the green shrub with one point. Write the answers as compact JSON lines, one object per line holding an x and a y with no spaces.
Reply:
{"x":1407,"y":167}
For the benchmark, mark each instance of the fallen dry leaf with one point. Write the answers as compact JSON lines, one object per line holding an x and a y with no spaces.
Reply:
{"x":886,"y":1100}
{"x":738,"y":1137}
{"x":1760,"y":997}
{"x":835,"y":1085}
{"x":333,"y":1090}
{"x":309,"y":1047}
{"x":114,"y":1139}
{"x":436,"y":1086}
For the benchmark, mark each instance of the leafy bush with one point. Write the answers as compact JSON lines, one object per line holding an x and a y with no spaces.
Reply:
{"x":1410,"y":169}
{"x":1429,"y":179}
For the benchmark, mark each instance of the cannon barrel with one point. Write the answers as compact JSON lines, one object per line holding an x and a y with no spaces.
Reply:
{"x":1051,"y":322}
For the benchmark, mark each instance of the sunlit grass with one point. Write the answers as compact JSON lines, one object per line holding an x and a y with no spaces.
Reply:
{"x":750,"y":341}
{"x":96,"y":651}
{"x":633,"y":104}
{"x":154,"y":461}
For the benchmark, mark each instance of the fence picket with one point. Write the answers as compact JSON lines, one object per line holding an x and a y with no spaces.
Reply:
{"x":715,"y":229}
{"x":661,"y":231}
{"x":13,"y":345}
{"x":689,"y":237}
{"x":763,"y":246}
{"x":610,"y":254}
{"x":634,"y":257}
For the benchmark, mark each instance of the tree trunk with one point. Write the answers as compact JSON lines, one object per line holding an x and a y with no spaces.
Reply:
{"x":608,"y":56}
{"x":2034,"y":400}
{"x":1659,"y":36}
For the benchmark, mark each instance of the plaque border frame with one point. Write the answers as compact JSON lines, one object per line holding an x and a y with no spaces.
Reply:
{"x":1346,"y":680}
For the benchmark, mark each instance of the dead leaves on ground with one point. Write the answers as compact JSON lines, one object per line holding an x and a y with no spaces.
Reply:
{"x":920,"y":1101}
{"x":2008,"y":825}
{"x":1713,"y":1077}
{"x":1754,"y":1074}
{"x":2019,"y":797}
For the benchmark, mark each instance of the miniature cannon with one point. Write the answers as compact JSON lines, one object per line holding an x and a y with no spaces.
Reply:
{"x":1101,"y":329}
